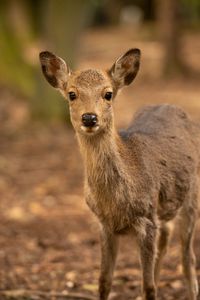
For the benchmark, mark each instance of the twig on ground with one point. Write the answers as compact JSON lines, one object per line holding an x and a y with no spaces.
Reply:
{"x":19,"y":294}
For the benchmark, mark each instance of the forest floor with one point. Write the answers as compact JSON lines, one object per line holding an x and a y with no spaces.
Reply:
{"x":49,"y":240}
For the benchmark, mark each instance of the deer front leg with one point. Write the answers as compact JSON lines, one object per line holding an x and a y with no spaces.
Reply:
{"x":109,"y":248}
{"x":147,"y":246}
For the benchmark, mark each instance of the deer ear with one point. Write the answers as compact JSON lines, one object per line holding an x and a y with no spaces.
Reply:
{"x":125,"y":68}
{"x":54,"y":69}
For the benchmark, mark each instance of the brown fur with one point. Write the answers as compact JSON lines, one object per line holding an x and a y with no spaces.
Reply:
{"x":139,"y":180}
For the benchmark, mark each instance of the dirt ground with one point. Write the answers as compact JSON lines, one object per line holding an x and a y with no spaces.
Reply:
{"x":49,"y":240}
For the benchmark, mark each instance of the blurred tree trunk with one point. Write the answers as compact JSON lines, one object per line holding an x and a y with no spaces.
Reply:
{"x":61,"y":25}
{"x":113,"y":9}
{"x":170,"y":30}
{"x":15,"y":33}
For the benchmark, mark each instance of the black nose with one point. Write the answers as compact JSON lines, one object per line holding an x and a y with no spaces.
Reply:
{"x":89,"y":120}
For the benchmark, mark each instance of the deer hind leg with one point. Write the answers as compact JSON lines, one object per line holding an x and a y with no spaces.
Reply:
{"x":187,"y":225}
{"x":163,"y":238}
{"x":147,"y":246}
{"x":109,"y":249}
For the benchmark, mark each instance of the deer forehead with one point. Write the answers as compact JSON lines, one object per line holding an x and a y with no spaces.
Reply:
{"x":90,"y":78}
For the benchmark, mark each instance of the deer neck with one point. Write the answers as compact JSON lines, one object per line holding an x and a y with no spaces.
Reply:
{"x":103,"y":158}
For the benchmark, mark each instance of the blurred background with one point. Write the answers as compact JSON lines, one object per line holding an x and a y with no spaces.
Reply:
{"x":49,"y":242}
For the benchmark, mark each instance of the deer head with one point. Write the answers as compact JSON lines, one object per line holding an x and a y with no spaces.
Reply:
{"x":91,"y":92}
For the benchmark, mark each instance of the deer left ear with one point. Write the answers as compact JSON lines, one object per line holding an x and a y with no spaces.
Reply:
{"x":125,"y":68}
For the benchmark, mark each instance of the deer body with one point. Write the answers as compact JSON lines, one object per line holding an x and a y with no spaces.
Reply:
{"x":125,"y":173}
{"x":138,"y":180}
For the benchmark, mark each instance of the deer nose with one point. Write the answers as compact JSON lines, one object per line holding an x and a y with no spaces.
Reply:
{"x":89,"y":120}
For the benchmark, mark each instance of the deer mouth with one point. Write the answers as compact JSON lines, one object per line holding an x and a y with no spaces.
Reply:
{"x":90,"y":130}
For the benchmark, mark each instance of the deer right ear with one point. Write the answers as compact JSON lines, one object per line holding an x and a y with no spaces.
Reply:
{"x":54,"y":69}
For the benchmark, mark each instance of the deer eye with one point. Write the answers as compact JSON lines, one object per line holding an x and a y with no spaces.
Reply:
{"x":108,"y":96}
{"x":72,"y":96}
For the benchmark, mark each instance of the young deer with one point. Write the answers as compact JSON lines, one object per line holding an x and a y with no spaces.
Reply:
{"x":136,"y":181}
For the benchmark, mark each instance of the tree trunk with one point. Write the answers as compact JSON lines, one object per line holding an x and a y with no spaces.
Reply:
{"x":15,"y":34}
{"x":170,"y":25}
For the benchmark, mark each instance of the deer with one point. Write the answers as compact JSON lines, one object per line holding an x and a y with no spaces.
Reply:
{"x":139,"y":180}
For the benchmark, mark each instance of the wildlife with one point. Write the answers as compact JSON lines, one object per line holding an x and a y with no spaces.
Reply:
{"x":137,"y":181}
